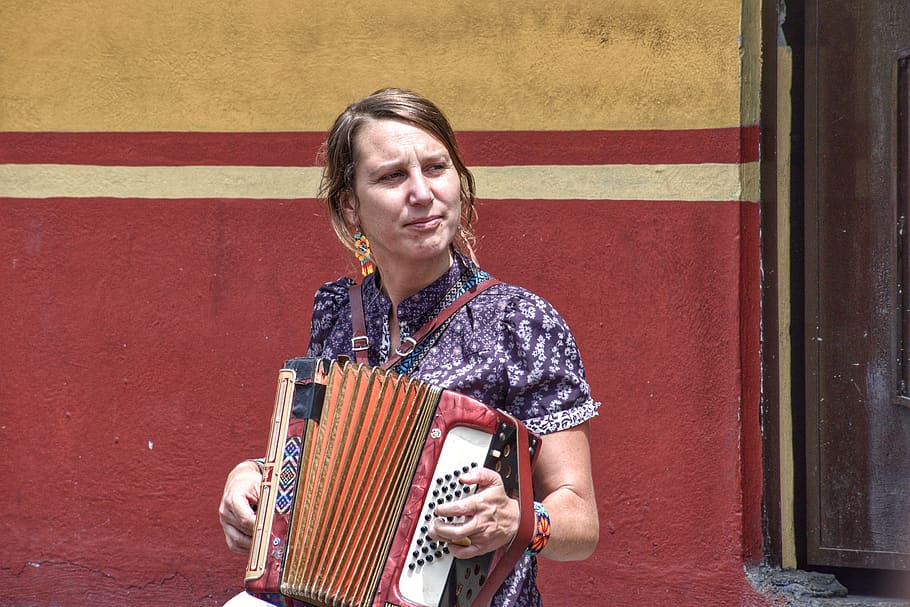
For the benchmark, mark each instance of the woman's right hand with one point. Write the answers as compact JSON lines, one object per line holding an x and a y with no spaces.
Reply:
{"x":241,"y":494}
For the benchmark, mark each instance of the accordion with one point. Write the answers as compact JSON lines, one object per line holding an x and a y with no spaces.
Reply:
{"x":357,"y":460}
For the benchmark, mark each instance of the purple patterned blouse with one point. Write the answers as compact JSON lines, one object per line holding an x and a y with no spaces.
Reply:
{"x":506,"y":347}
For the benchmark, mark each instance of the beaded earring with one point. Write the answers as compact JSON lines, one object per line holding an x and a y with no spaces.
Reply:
{"x":362,"y":252}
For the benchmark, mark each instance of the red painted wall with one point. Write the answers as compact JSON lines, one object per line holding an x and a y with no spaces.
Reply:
{"x":141,"y":339}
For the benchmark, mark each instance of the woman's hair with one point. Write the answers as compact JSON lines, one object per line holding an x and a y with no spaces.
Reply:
{"x":339,"y":156}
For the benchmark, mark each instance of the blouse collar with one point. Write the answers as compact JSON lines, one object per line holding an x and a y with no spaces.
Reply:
{"x":416,"y":310}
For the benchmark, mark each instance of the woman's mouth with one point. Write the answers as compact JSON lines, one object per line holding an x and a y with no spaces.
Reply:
{"x":424,"y":223}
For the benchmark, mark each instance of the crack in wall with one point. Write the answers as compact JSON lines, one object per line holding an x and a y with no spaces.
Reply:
{"x":82,"y":567}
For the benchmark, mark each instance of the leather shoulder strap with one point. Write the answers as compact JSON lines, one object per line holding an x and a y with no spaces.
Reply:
{"x":439,"y":321}
{"x":360,"y":343}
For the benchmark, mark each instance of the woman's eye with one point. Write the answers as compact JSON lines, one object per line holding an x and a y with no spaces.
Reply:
{"x":392,"y":176}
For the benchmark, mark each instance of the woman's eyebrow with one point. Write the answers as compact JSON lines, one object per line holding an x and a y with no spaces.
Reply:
{"x":438,"y":156}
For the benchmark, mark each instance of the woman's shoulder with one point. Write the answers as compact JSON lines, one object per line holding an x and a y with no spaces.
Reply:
{"x":514,"y":300}
{"x":331,"y":297}
{"x":335,"y":289}
{"x":503,"y":295}
{"x":515,"y":292}
{"x":331,"y":309}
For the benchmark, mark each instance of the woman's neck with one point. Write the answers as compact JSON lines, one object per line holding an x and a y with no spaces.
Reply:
{"x":399,"y":282}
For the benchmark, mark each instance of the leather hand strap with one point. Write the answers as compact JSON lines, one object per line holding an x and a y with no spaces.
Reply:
{"x":525,"y":532}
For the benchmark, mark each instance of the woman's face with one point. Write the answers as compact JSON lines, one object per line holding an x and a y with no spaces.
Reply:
{"x":407,"y":196}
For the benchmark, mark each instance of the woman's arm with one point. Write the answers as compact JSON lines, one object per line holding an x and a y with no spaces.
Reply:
{"x":563,"y":483}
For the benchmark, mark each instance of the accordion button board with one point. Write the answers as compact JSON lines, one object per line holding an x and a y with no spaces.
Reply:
{"x":423,"y":580}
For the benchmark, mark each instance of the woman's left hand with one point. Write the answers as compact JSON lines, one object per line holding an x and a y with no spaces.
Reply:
{"x":485,"y":520}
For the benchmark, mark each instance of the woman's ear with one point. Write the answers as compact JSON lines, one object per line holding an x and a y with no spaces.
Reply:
{"x":349,"y":208}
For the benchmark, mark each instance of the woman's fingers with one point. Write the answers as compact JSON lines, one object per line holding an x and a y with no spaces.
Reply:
{"x":481,"y":521}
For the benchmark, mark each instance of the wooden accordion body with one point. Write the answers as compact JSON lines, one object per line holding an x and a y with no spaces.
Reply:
{"x":356,"y":461}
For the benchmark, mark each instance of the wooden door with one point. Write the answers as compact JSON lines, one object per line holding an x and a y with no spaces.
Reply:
{"x":857,"y":266}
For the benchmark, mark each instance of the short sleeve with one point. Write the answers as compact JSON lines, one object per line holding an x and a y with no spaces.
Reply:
{"x":547,"y":385}
{"x":331,"y":322}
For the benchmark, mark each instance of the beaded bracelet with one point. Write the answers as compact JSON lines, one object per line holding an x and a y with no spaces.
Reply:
{"x":541,"y":530}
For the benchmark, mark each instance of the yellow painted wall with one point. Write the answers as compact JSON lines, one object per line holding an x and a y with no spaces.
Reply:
{"x":213,"y":65}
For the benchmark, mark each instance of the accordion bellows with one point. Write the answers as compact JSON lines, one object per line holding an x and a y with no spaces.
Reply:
{"x":356,"y":462}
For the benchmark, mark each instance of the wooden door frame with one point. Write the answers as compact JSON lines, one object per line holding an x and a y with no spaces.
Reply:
{"x":779,"y":144}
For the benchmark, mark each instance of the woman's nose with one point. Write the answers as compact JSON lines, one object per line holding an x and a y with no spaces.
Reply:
{"x":420,"y":192}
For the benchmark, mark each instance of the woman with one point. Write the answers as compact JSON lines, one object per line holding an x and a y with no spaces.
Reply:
{"x":401,"y":199}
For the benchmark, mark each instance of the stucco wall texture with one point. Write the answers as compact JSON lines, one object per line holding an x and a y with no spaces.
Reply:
{"x":160,"y":245}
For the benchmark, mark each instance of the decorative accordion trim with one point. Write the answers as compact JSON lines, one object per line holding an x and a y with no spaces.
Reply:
{"x":287,"y":481}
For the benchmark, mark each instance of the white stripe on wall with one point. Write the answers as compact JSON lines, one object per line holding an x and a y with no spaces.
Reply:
{"x":671,"y":182}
